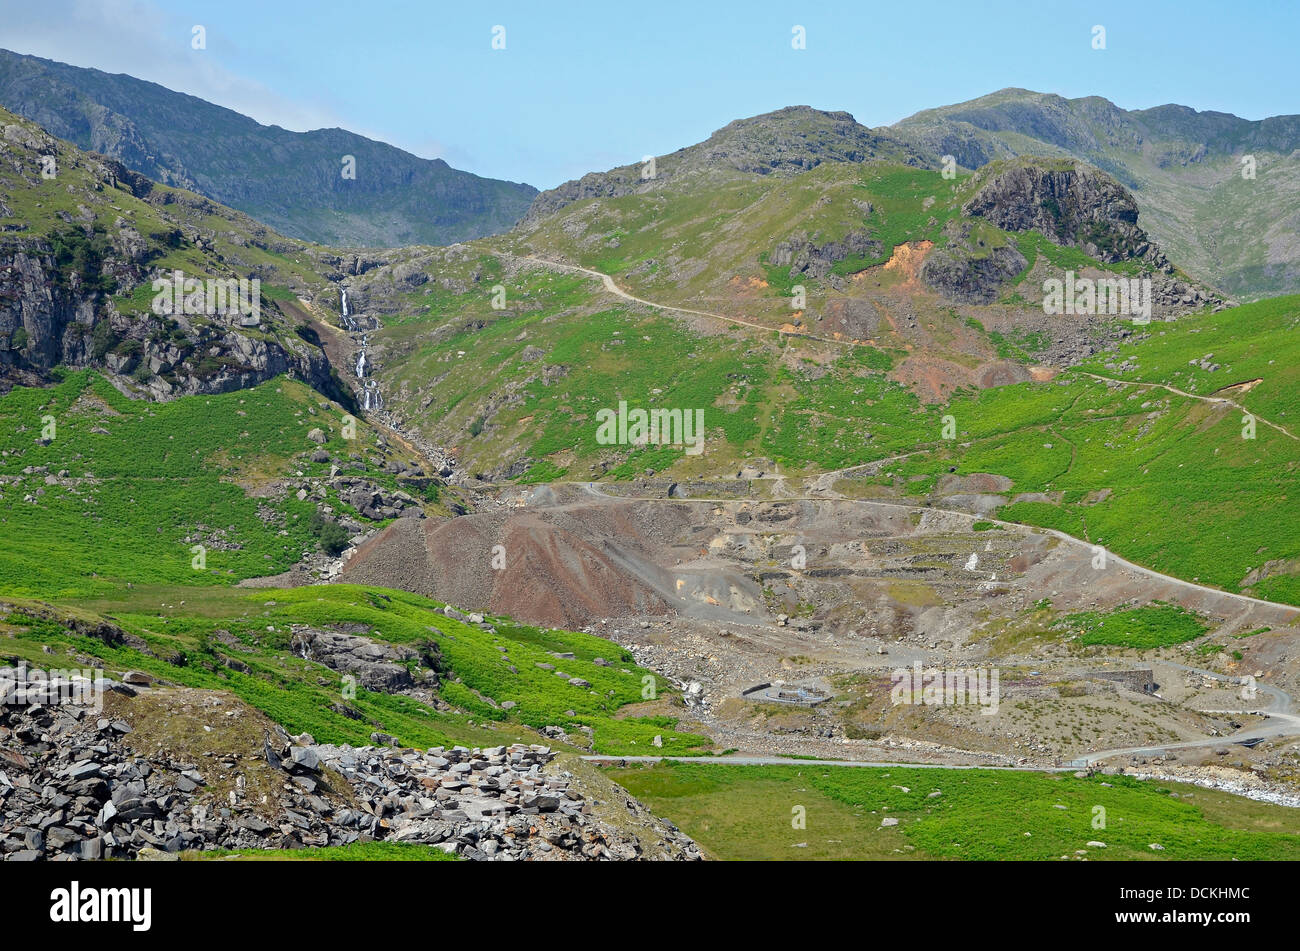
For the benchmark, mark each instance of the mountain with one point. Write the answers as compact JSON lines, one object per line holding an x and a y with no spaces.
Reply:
{"x":291,"y":181}
{"x":831,"y":320}
{"x":796,"y":231}
{"x":1185,"y":168}
{"x":217,"y":456}
{"x":784,"y":143}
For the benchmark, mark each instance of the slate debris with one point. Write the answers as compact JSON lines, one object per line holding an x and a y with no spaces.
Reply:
{"x":71,"y":788}
{"x":492,"y":804}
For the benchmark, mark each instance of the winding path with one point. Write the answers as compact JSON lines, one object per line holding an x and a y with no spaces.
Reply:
{"x":613,"y":288}
{"x":1222,"y":400}
{"x":1279,"y":722}
{"x":619,"y":292}
{"x":787,"y":761}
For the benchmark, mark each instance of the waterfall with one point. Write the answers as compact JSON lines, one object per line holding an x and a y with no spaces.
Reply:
{"x":361,"y":357}
{"x":347,"y":320}
{"x":370,"y":398}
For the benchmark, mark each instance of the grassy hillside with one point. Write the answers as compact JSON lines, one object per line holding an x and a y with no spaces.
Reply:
{"x":706,"y":241}
{"x":124,"y":489}
{"x":241,"y":642}
{"x":523,"y":380}
{"x":178,"y":228}
{"x":516,"y":388}
{"x":1123,"y":466}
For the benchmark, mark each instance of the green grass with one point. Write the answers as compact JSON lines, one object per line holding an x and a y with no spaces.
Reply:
{"x":745,"y":812}
{"x":1034,"y":245}
{"x":1155,"y":625}
{"x":146,"y":482}
{"x":1023,"y":346}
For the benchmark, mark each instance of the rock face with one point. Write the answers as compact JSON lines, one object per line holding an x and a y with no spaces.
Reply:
{"x":375,"y":502}
{"x":1071,"y":203}
{"x":69,"y":289}
{"x":962,"y":271}
{"x":1151,"y":151}
{"x":376,"y":666}
{"x":46,"y":321}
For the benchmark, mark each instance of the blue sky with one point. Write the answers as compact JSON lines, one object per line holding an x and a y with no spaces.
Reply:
{"x":585,"y":85}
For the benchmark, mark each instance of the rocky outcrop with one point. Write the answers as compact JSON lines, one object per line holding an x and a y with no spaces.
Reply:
{"x":77,"y":286}
{"x":963,"y":271}
{"x":375,"y":502}
{"x":49,"y":318}
{"x":806,"y":258}
{"x":1071,"y":203}
{"x":380,"y":667}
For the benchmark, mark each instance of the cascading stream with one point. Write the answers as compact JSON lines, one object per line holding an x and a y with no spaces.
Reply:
{"x":370,"y":396}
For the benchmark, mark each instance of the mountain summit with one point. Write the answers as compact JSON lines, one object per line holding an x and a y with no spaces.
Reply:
{"x":784,"y":142}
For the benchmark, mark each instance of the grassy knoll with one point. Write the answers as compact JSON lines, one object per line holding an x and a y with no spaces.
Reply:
{"x":745,"y":812}
{"x":1155,"y":625}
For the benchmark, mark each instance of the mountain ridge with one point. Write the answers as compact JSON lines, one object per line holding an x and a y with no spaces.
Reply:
{"x":1183,"y":166}
{"x":291,"y":181}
